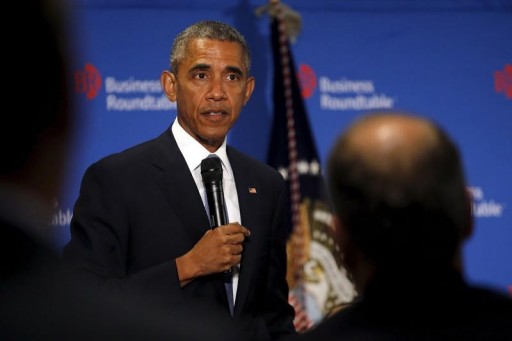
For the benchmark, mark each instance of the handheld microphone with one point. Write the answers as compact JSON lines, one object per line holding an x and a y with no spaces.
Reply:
{"x":211,"y":172}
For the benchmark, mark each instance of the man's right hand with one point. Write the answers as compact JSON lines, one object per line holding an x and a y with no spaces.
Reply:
{"x":218,"y":250}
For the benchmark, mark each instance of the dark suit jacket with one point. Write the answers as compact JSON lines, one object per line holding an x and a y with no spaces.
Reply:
{"x":431,"y":305}
{"x":139,"y":210}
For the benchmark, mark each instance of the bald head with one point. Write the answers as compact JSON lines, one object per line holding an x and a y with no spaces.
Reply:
{"x":397,"y":184}
{"x":390,"y":143}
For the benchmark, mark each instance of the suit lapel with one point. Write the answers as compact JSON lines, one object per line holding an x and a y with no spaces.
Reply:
{"x":249,"y":207}
{"x":179,"y":188}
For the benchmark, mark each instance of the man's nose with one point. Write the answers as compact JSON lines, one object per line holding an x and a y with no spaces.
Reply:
{"x":217,"y":91}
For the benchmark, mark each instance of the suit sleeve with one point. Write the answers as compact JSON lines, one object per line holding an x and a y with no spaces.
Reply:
{"x":98,"y":249}
{"x":279,"y":314}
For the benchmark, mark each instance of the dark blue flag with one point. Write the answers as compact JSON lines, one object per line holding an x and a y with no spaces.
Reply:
{"x":318,"y":283}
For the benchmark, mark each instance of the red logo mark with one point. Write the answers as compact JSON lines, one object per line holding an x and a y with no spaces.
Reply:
{"x":88,"y":81}
{"x":503,"y":81}
{"x":307,"y":80}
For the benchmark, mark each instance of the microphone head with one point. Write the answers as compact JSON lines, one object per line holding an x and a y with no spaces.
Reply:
{"x":211,"y":169}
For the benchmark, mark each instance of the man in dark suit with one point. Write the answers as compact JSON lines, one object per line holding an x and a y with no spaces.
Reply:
{"x":403,"y":213}
{"x":140,"y":224}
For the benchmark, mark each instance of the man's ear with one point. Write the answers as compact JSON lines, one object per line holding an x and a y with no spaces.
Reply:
{"x":168,"y":81}
{"x":249,"y":89}
{"x":359,"y":269}
{"x":344,"y":242}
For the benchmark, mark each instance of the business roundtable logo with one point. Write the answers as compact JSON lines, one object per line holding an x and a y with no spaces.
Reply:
{"x":88,"y":81}
{"x":127,"y":94}
{"x":343,"y":94}
{"x":503,"y":81}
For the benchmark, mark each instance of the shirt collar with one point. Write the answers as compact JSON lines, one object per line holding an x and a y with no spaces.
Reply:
{"x":194,"y":152}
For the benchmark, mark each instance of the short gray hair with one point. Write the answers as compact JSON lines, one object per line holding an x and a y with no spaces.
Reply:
{"x":207,"y":29}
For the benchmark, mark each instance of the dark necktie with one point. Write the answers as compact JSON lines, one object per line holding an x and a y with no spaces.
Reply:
{"x":227,"y":275}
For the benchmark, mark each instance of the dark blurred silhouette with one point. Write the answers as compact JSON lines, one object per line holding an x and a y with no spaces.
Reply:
{"x":33,"y":138}
{"x":39,"y":299}
{"x":403,"y":213}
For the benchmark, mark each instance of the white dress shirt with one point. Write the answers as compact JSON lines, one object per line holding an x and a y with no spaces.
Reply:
{"x":194,"y":153}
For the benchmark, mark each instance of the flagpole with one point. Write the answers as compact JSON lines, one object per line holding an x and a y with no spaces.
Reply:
{"x":298,"y":256}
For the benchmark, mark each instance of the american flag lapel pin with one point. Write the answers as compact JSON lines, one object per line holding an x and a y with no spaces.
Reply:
{"x":252,"y":190}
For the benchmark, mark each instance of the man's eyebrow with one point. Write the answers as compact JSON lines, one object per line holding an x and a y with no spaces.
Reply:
{"x":199,"y":67}
{"x":235,"y":69}
{"x":202,"y":66}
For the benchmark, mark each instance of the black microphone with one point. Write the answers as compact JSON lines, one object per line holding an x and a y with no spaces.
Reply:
{"x":211,"y":172}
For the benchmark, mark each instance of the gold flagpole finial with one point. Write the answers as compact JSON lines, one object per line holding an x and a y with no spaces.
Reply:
{"x":291,"y":18}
